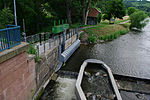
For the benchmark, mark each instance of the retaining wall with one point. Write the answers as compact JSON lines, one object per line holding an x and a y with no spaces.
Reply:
{"x":46,"y":66}
{"x":22,"y":78}
{"x":17,"y":74}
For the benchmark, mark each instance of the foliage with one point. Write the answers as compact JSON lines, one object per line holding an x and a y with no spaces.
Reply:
{"x":6,"y":17}
{"x":131,"y":10}
{"x":33,"y":51}
{"x":138,"y":19}
{"x":92,"y":38}
{"x":138,"y":4}
{"x":115,"y":8}
{"x":106,"y":32}
{"x":99,"y":18}
{"x":148,"y":14}
{"x":109,"y":37}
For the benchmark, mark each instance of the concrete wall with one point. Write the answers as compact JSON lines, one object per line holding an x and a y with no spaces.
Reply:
{"x":17,"y":74}
{"x":46,"y":66}
{"x":70,"y":41}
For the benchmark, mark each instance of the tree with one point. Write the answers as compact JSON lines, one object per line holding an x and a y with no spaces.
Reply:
{"x":138,"y":19}
{"x":115,"y":8}
{"x":148,"y":14}
{"x":6,"y":17}
{"x":131,"y":10}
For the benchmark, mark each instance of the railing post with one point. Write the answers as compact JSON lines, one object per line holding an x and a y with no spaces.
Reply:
{"x":8,"y":40}
{"x":38,"y":53}
{"x":40,"y":37}
{"x":77,"y":34}
{"x":49,"y":43}
{"x":59,"y":53}
{"x":44,"y":47}
{"x":54,"y":41}
{"x":71,"y":36}
{"x":63,"y":49}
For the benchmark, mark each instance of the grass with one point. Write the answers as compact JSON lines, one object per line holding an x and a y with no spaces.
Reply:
{"x":106,"y":32}
{"x":104,"y":29}
{"x":77,"y":25}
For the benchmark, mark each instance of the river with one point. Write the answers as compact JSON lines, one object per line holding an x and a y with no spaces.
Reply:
{"x":127,"y":55}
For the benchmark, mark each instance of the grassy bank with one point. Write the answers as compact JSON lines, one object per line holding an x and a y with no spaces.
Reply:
{"x":105,"y":32}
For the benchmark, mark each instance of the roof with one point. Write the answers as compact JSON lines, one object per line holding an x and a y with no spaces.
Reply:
{"x":93,"y":12}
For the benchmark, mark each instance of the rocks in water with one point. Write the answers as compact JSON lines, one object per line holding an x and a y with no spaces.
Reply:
{"x":97,"y":74}
{"x":88,"y":94}
{"x":104,"y":74}
{"x":87,"y":73}
{"x":118,"y":85}
{"x":98,"y":97}
{"x":139,"y":96}
{"x":101,"y":74}
{"x":93,"y":97}
{"x":112,"y":96}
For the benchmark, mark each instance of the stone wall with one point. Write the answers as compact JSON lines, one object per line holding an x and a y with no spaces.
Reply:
{"x":46,"y":66}
{"x":17,"y":74}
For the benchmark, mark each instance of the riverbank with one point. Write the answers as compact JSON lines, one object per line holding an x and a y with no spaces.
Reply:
{"x":104,"y":32}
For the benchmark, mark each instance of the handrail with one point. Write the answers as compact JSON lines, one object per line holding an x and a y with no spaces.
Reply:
{"x":9,"y":37}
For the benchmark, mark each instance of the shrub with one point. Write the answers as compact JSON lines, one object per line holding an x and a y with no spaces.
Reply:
{"x":148,"y":14}
{"x":92,"y":39}
{"x":138,"y":19}
{"x":99,"y":18}
{"x":131,"y":10}
{"x":123,"y":32}
{"x":33,"y":51}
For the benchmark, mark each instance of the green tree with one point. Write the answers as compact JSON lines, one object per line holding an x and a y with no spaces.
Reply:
{"x":115,"y":8}
{"x":131,"y":10}
{"x":6,"y":17}
{"x":148,"y":14}
{"x":138,"y":19}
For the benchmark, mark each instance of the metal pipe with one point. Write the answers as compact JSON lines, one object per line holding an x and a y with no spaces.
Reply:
{"x":15,"y":13}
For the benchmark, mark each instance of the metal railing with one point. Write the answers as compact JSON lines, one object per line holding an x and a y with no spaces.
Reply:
{"x":9,"y":37}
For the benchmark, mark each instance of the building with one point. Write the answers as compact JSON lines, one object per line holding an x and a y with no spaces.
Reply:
{"x":92,"y":16}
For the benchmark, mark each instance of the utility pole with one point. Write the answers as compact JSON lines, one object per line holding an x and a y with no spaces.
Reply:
{"x":15,"y":12}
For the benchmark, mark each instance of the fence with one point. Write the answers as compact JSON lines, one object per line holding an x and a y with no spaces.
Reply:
{"x":9,"y":37}
{"x":54,"y":41}
{"x":46,"y":41}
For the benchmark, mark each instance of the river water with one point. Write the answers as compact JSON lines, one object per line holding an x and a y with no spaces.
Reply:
{"x":127,"y":55}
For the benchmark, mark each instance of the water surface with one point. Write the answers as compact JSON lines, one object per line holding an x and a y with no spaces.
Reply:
{"x":127,"y":55}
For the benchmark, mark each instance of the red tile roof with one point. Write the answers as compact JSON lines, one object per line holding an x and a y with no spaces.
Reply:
{"x":93,"y":12}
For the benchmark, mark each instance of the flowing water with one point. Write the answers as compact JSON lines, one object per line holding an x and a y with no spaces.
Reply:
{"x":62,"y":89}
{"x":127,"y":55}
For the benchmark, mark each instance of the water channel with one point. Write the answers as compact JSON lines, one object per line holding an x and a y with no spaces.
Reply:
{"x":128,"y":55}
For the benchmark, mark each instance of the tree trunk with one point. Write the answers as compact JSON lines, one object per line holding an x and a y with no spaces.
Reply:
{"x":87,"y":11}
{"x":4,"y":2}
{"x":68,"y":12}
{"x":83,"y":11}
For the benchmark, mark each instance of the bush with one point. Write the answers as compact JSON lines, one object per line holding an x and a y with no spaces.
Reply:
{"x":138,"y":19}
{"x":131,"y":10}
{"x":92,"y":39}
{"x":99,"y":18}
{"x":148,"y":14}
{"x":33,"y":51}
